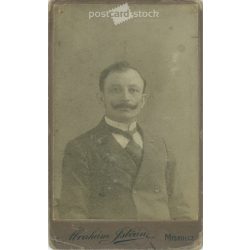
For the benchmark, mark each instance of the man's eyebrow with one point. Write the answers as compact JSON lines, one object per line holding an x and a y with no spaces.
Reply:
{"x":115,"y":84}
{"x":134,"y":85}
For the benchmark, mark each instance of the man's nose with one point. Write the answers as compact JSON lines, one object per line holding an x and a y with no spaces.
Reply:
{"x":125,"y":95}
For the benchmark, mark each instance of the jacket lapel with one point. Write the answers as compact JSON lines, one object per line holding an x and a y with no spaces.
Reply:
{"x":152,"y":158}
{"x":115,"y":159}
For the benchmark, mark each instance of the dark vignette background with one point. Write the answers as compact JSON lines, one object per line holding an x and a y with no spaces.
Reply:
{"x":164,"y":49}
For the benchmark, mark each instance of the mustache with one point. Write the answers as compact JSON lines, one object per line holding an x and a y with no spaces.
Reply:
{"x":124,"y":105}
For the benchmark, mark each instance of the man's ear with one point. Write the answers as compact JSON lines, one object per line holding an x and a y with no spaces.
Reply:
{"x":144,"y":99}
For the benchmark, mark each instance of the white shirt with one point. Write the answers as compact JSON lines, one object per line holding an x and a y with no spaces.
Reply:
{"x":122,"y":140}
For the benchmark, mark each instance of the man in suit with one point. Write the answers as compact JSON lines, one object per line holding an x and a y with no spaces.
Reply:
{"x":117,"y":170}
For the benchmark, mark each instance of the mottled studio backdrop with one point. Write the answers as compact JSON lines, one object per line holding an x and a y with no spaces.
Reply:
{"x":164,"y":49}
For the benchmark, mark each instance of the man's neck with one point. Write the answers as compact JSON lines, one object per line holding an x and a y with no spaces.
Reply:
{"x":120,"y":125}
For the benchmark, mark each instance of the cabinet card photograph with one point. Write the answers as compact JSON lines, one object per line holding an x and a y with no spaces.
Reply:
{"x":125,"y":111}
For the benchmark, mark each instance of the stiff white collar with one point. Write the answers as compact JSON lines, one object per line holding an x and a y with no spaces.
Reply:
{"x":120,"y":125}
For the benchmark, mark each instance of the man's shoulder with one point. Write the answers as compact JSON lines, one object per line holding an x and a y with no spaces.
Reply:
{"x":86,"y":139}
{"x":152,"y":136}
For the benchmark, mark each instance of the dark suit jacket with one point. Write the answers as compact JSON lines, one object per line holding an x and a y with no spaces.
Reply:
{"x":96,"y":182}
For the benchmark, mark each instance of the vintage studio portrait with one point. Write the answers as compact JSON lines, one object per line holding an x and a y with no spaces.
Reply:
{"x":126,"y":117}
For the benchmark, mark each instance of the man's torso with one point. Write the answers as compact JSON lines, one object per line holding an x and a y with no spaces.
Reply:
{"x":106,"y":182}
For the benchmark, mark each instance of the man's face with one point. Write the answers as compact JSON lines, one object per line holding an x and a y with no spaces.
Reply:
{"x":123,"y":95}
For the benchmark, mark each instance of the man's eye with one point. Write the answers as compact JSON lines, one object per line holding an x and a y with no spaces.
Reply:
{"x":133,"y":90}
{"x":115,"y":90}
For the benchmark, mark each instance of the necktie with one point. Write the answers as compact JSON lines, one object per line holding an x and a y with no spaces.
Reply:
{"x":133,"y":149}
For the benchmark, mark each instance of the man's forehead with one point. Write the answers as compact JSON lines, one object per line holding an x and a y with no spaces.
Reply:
{"x":126,"y":76}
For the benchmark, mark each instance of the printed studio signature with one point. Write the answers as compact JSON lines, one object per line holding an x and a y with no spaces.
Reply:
{"x":120,"y":236}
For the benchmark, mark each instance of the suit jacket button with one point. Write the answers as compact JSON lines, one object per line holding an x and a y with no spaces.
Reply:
{"x":99,"y":141}
{"x":157,"y":189}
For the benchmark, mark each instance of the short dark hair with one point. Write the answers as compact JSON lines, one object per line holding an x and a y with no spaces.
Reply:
{"x":117,"y":67}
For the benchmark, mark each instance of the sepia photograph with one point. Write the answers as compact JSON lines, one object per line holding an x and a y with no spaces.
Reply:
{"x":125,"y":113}
{"x":117,"y":170}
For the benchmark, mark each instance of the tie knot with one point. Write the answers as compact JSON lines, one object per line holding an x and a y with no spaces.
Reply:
{"x":128,"y":134}
{"x":131,"y":132}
